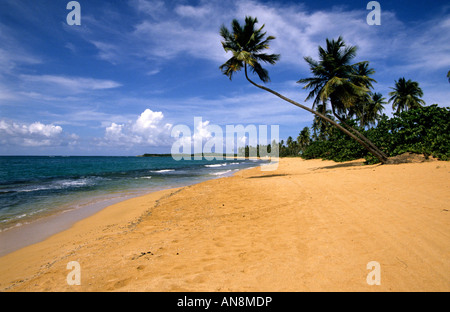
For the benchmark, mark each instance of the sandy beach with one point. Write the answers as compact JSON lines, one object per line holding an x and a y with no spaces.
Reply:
{"x":308,"y":226}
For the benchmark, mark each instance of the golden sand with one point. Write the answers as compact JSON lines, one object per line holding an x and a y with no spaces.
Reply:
{"x":308,"y":226}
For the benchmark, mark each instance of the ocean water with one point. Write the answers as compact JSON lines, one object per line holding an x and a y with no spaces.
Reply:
{"x":32,"y":188}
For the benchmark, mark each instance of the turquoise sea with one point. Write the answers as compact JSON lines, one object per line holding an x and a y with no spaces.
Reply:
{"x":35,"y":187}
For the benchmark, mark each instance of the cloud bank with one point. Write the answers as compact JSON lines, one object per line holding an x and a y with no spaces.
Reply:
{"x":35,"y":134}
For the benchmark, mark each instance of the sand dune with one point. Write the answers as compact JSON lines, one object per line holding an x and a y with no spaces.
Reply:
{"x":308,"y":226}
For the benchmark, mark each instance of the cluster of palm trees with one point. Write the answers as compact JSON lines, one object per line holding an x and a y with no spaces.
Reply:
{"x":340,"y":90}
{"x":294,"y":147}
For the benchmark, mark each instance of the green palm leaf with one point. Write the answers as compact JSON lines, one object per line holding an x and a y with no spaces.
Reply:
{"x":406,"y":95}
{"x":335,"y":79}
{"x":247,"y":43}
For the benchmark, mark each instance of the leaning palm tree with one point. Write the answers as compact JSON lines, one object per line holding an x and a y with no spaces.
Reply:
{"x":406,"y":95}
{"x":247,"y":45}
{"x":448,"y":76}
{"x":341,"y":83}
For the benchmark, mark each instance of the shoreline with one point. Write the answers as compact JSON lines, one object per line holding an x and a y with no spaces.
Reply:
{"x":35,"y":231}
{"x":43,"y":227}
{"x":287,"y":230}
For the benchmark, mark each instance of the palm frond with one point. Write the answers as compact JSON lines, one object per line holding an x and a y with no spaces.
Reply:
{"x":247,"y":44}
{"x":406,"y":95}
{"x":335,"y":79}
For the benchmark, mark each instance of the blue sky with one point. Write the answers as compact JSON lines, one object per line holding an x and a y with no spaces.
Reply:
{"x":133,"y":69}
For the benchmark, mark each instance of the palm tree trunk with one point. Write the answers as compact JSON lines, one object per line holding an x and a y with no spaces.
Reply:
{"x":361,"y":122}
{"x":380,"y":157}
{"x":359,"y":134}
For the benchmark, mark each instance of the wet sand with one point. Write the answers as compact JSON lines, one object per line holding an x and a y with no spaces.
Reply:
{"x":308,"y":226}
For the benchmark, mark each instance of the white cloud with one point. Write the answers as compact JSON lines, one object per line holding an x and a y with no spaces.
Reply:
{"x":148,"y":129}
{"x":74,"y":84}
{"x":108,"y":51}
{"x":168,"y":39}
{"x":148,"y":121}
{"x":36,"y":128}
{"x":33,"y":135}
{"x":202,"y":131}
{"x":44,"y":130}
{"x":153,"y":72}
{"x":114,"y":133}
{"x":190,"y":11}
{"x":153,"y":8}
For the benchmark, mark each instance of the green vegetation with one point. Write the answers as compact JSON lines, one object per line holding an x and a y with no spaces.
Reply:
{"x":424,"y":130}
